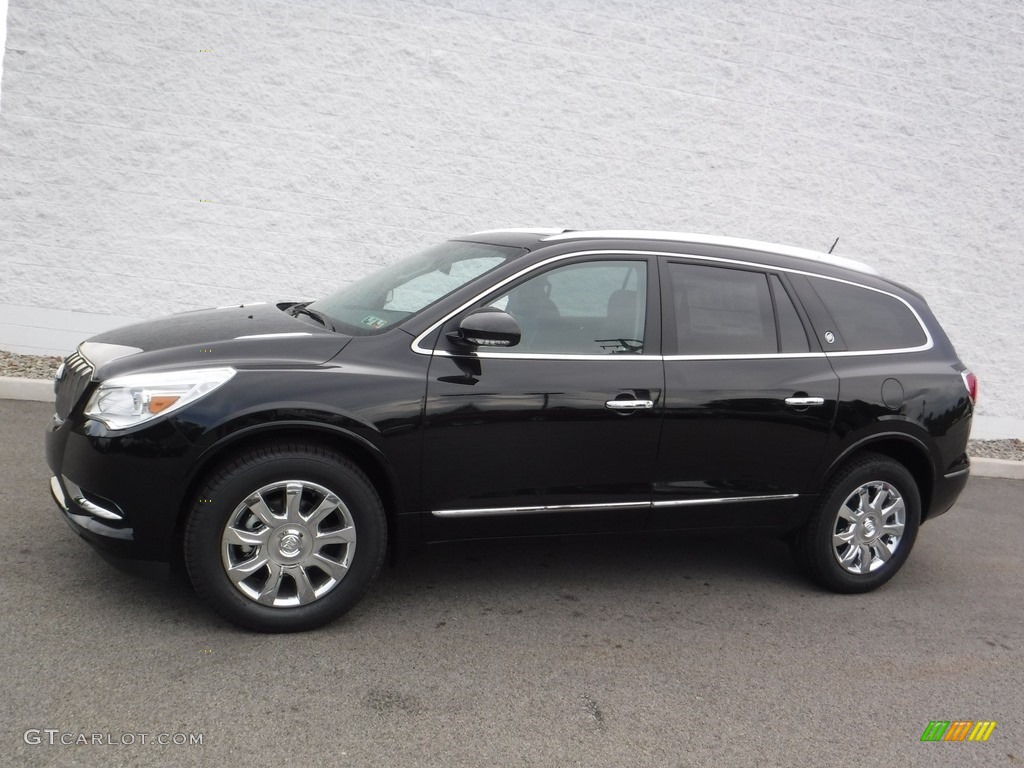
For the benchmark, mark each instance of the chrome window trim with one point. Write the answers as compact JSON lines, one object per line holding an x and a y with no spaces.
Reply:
{"x":759,"y":356}
{"x":541,"y":356}
{"x":421,"y":350}
{"x":929,"y":342}
{"x":547,"y":509}
{"x":417,"y":348}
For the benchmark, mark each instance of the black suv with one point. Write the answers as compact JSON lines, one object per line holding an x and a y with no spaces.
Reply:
{"x":511,"y":383}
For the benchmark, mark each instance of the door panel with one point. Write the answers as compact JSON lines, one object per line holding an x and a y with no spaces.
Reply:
{"x":733,"y":450}
{"x":516,"y":434}
{"x":522,"y":440}
{"x":728,"y":433}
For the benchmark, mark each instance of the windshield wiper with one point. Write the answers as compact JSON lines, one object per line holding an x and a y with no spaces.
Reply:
{"x":320,"y":317}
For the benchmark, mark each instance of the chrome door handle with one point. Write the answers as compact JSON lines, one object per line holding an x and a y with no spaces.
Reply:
{"x":803,"y":402}
{"x":625,"y":405}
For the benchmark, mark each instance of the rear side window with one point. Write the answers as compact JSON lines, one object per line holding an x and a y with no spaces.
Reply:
{"x":722,"y":311}
{"x":869,"y":320}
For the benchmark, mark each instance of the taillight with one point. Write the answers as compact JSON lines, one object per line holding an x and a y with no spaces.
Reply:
{"x":971,"y":382}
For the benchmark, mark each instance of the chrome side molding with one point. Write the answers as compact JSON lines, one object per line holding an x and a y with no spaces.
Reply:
{"x":540,"y":510}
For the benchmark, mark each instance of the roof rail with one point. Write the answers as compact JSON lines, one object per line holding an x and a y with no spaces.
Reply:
{"x":521,"y":230}
{"x":734,"y":242}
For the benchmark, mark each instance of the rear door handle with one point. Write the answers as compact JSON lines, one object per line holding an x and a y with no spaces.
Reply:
{"x":629,"y":405}
{"x":804,"y":402}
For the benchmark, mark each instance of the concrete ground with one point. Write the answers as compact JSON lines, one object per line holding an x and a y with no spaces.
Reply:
{"x":664,"y":651}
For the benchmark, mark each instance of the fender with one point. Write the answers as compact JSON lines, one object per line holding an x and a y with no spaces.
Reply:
{"x":270,"y":422}
{"x":910,"y":450}
{"x":874,"y":437}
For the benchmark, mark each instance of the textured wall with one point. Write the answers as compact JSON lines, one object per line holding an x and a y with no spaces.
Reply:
{"x":155,"y":157}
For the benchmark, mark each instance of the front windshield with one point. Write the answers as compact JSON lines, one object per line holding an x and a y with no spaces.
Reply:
{"x":388,"y":296}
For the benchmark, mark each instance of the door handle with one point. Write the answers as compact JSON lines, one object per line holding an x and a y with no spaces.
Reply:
{"x":803,"y":402}
{"x":629,"y":405}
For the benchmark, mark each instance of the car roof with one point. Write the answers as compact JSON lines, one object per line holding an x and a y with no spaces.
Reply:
{"x":527,"y":236}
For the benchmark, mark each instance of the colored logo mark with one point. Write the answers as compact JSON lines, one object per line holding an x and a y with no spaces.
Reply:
{"x":958,"y":730}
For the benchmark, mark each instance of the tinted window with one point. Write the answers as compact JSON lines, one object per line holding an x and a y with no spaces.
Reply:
{"x":868,"y":319}
{"x":722,"y":311}
{"x":593,"y":308}
{"x":792,"y":336}
{"x":393,"y":293}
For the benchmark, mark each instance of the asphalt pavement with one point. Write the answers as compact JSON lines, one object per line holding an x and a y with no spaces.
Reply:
{"x":617,"y":651}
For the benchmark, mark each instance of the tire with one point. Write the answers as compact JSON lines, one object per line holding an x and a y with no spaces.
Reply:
{"x":285,"y":538}
{"x":863,"y":528}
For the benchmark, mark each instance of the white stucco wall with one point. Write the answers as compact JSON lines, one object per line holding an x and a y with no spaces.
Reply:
{"x":162,"y":156}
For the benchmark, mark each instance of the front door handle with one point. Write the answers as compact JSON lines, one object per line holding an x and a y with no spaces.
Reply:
{"x":629,"y":405}
{"x":804,"y":402}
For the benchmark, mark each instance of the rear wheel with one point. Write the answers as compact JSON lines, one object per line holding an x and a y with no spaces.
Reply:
{"x":285,"y":539}
{"x":863,"y":528}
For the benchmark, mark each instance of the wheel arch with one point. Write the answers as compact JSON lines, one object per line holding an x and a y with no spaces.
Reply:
{"x":366,"y":456}
{"x":901,"y":447}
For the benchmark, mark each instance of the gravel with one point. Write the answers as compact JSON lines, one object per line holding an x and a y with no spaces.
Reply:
{"x":45,"y":367}
{"x":997,"y":449}
{"x":28,"y":366}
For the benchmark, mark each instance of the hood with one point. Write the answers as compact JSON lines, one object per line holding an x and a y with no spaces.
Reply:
{"x":245,"y":335}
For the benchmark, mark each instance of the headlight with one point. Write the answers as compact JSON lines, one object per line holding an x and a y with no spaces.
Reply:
{"x":126,"y":401}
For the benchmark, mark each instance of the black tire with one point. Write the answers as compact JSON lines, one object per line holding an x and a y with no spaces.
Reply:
{"x":871,"y":561}
{"x":316,"y":568}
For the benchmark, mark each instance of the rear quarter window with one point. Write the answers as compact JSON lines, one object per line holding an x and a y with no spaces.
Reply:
{"x":870,"y":320}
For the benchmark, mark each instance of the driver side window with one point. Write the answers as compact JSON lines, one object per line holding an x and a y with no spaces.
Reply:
{"x":590,"y":308}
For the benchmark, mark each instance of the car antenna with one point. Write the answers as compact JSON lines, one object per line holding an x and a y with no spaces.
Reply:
{"x":833,"y":245}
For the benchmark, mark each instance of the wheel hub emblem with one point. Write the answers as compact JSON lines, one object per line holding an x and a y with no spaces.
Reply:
{"x":870,"y":527}
{"x":290,"y":544}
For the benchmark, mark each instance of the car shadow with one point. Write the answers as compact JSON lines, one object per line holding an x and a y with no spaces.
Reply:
{"x":732,"y":558}
{"x":446,"y":577}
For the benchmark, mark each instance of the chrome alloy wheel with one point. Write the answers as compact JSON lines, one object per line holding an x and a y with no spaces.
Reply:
{"x":288,"y":543}
{"x":868,"y":527}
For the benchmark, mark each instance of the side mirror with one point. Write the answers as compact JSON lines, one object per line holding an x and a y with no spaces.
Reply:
{"x":488,"y":327}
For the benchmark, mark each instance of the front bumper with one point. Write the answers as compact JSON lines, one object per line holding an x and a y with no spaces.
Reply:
{"x":105,"y":539}
{"x":121,"y":493}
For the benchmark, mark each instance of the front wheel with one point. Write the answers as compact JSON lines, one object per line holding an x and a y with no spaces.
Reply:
{"x":863,"y":528}
{"x":285,"y":538}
